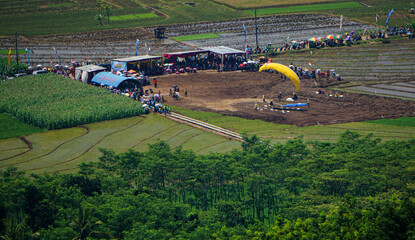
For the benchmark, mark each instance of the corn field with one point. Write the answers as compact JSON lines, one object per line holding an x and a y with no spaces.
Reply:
{"x":51,"y":101}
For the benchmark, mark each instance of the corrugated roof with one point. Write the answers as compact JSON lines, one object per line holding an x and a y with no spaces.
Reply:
{"x":136,"y":58}
{"x":223,"y":50}
{"x":91,"y":68}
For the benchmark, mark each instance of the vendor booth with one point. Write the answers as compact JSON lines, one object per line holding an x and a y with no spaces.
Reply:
{"x":185,"y":59}
{"x":146,"y":64}
{"x":115,"y":81}
{"x":87,"y":72}
{"x":226,"y":53}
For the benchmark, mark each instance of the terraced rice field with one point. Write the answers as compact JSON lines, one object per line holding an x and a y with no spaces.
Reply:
{"x":364,"y":64}
{"x":62,"y":150}
{"x":111,"y":44}
{"x":399,"y":89}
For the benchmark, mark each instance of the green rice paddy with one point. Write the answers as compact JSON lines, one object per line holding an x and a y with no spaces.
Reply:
{"x":133,"y":16}
{"x":64,"y":149}
{"x":196,"y":37}
{"x":304,"y":8}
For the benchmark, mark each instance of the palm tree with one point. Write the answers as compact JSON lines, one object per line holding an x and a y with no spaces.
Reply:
{"x":16,"y":227}
{"x":84,"y":226}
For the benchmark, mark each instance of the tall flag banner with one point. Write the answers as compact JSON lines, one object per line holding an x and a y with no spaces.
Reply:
{"x":136,"y":45}
{"x":244,"y":32}
{"x":377,"y":20}
{"x":59,"y":57}
{"x":387,"y":20}
{"x":10,"y":52}
{"x":28,"y":59}
{"x":341,"y":22}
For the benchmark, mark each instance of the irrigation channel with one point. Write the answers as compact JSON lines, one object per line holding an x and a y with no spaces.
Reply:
{"x":208,"y":126}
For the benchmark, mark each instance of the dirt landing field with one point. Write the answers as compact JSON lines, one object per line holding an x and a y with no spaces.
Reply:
{"x":235,"y":94}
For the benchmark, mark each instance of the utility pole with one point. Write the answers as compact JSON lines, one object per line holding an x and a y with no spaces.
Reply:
{"x":17,"y":54}
{"x":256,"y":30}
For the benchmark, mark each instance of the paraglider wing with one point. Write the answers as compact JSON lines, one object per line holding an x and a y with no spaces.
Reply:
{"x":284,"y":70}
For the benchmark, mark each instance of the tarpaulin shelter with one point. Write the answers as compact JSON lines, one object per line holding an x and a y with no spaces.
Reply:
{"x":116,"y":81}
{"x":85,"y":73}
{"x":144,"y":63}
{"x":184,"y":54}
{"x":223,"y":51}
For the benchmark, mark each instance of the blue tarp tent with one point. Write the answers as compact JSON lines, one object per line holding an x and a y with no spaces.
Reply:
{"x":110,"y":79}
{"x":296,"y":105}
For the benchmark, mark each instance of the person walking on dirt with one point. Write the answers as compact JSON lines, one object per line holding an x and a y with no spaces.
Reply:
{"x":155,"y":82}
{"x":256,"y":107}
{"x":279,"y":97}
{"x":263,"y":98}
{"x":308,"y":102}
{"x":170,"y":94}
{"x":295,"y":97}
{"x":185,"y":92}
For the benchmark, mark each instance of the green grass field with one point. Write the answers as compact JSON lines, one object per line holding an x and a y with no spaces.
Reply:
{"x":280,"y":133}
{"x":35,"y":17}
{"x":305,"y":8}
{"x":80,"y":19}
{"x":6,"y":51}
{"x":404,"y":122}
{"x":62,"y":150}
{"x":133,"y":16}
{"x":246,"y":4}
{"x":11,"y":127}
{"x":196,"y":37}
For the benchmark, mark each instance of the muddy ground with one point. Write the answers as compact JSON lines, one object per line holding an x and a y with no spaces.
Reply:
{"x":235,"y":94}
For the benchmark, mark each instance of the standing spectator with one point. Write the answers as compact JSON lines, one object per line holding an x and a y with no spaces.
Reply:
{"x":185,"y":92}
{"x":155,"y":82}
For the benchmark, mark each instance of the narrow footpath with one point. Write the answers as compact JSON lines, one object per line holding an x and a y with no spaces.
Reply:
{"x":206,"y":126}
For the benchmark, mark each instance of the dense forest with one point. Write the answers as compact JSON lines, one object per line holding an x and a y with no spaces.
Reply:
{"x":356,"y":188}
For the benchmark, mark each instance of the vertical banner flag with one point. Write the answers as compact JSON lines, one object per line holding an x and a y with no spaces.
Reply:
{"x":387,"y":20}
{"x":10,"y":52}
{"x":244,"y":32}
{"x":136,"y":45}
{"x":59,"y":57}
{"x":28,"y":59}
{"x":341,"y":22}
{"x":377,"y":19}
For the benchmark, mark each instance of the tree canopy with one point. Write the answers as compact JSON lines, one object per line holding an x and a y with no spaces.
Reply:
{"x":356,"y":188}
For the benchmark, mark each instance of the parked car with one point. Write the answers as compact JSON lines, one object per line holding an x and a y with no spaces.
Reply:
{"x":40,"y":72}
{"x":20,"y":74}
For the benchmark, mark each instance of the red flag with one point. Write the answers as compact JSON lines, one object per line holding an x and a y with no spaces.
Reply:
{"x":10,"y":52}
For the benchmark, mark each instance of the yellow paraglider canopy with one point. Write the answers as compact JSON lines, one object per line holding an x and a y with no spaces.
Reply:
{"x":284,"y":70}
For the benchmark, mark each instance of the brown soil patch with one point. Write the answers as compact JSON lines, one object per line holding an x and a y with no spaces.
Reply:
{"x":235,"y":93}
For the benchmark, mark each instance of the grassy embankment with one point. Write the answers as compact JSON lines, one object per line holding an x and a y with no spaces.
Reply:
{"x":277,"y":133}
